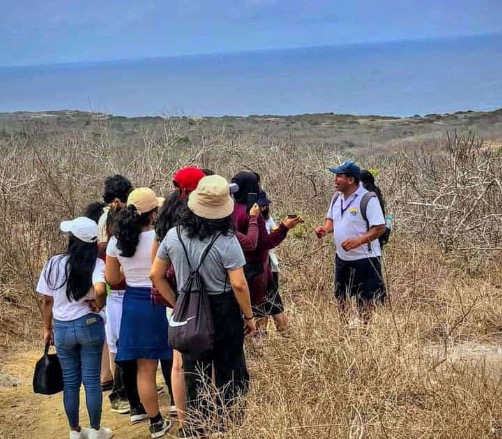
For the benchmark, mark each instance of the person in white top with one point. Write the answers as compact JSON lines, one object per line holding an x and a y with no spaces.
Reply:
{"x":143,"y":328}
{"x":358,"y":271}
{"x":73,"y":288}
{"x":116,"y":190}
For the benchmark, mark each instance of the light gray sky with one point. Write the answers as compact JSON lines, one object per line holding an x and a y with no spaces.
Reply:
{"x":56,"y":31}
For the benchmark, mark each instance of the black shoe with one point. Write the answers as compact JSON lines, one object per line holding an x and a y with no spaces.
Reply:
{"x":191,"y":433}
{"x":108,"y":385}
{"x":138,"y":414}
{"x":160,"y":428}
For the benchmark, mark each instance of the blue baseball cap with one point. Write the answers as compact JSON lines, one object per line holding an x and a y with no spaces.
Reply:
{"x":348,"y":167}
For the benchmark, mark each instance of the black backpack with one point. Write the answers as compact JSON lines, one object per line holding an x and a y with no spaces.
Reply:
{"x":384,"y":238}
{"x":191,"y":327}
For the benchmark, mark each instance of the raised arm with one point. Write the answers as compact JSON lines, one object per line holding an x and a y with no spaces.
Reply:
{"x":249,"y":241}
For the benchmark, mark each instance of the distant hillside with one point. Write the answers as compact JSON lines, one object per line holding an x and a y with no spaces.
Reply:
{"x":344,"y":130}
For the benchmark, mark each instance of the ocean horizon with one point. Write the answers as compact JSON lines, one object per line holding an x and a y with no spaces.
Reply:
{"x":394,"y":79}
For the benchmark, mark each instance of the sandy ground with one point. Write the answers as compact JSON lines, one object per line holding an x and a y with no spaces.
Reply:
{"x":25,"y":415}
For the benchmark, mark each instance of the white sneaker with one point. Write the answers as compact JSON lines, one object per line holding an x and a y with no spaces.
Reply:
{"x":82,"y":434}
{"x":102,"y":433}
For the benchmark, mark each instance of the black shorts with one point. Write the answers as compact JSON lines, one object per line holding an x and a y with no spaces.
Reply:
{"x":361,"y":279}
{"x":273,"y":302}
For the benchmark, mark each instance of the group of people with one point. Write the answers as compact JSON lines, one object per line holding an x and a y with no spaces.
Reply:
{"x":127,"y":262}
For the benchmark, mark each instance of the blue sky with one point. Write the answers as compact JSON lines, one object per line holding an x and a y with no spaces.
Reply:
{"x":56,"y":31}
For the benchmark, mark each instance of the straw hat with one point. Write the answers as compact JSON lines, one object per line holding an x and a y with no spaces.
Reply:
{"x":211,"y":199}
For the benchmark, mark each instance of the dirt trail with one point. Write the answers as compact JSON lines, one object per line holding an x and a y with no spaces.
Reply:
{"x":24,"y":415}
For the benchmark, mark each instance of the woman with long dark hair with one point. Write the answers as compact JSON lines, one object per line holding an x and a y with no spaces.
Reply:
{"x":208,"y":222}
{"x":185,"y":180}
{"x":368,"y":182}
{"x":73,"y":289}
{"x":143,"y":328}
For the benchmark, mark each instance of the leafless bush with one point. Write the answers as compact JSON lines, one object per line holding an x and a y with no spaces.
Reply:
{"x":396,"y":380}
{"x":452,"y":194}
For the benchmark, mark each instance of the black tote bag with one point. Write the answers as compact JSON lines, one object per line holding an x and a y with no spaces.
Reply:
{"x":48,"y":376}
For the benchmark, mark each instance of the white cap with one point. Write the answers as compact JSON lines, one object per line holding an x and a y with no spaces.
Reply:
{"x":83,"y":228}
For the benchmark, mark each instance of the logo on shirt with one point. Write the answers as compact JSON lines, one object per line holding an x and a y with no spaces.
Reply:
{"x":353,"y":211}
{"x":175,"y":324}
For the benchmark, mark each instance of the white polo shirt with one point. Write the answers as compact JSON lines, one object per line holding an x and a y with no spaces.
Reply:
{"x":348,"y":222}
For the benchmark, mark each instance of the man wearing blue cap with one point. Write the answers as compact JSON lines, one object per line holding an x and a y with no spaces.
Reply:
{"x":356,"y":220}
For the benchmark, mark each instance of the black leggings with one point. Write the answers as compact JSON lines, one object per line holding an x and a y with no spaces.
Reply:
{"x":127,"y":372}
{"x":230,"y":371}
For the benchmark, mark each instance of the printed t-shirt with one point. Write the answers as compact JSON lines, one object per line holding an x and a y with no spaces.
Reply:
{"x":225,"y":254}
{"x":63,"y":309}
{"x":136,"y":268}
{"x":348,"y":222}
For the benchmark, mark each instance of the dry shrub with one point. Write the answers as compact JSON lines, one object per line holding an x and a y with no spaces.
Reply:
{"x":396,"y":379}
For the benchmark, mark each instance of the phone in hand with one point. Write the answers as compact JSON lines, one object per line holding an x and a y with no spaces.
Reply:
{"x":292,"y":215}
{"x":252,"y":197}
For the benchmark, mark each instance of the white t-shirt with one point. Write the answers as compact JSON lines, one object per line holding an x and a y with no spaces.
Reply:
{"x":102,"y":234}
{"x":137,"y":268}
{"x":63,"y":309}
{"x":274,"y":261}
{"x":348,"y":222}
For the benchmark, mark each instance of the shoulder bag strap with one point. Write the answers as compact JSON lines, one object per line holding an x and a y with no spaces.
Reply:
{"x":364,"y":205}
{"x":204,"y":254}
{"x":184,"y":249}
{"x":206,"y":250}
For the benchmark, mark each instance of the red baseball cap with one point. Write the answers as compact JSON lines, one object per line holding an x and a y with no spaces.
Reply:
{"x":186,"y":179}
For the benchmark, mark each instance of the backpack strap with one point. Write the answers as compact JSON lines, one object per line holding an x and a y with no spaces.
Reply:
{"x":364,"y":206}
{"x":333,"y":200}
{"x":204,"y":254}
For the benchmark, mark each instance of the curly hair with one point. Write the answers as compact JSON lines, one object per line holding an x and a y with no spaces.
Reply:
{"x":116,"y":186}
{"x":94,"y":210}
{"x":197,"y":227}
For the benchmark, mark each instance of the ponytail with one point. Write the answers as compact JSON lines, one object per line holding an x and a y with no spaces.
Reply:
{"x":128,"y":227}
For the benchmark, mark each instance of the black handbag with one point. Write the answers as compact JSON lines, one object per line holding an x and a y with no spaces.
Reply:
{"x":48,"y":376}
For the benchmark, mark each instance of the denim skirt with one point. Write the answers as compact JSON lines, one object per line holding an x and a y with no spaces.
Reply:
{"x":143,"y":328}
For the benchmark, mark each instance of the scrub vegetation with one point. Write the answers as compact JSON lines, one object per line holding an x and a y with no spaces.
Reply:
{"x":430,"y":363}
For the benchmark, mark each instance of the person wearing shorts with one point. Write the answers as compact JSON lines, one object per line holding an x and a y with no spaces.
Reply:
{"x":358,"y":271}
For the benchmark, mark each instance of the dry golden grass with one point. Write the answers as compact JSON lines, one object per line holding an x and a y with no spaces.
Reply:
{"x":428,"y":366}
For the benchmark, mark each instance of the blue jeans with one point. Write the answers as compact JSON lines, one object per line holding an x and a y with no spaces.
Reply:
{"x":79,"y":344}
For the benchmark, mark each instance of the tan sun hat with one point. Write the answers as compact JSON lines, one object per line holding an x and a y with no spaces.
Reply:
{"x":211,"y":199}
{"x":144,"y":199}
